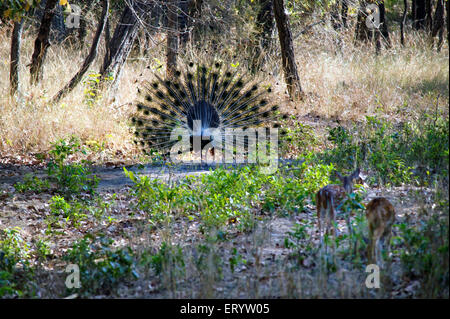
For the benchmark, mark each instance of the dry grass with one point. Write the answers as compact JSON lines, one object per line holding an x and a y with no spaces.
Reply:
{"x":340,"y":80}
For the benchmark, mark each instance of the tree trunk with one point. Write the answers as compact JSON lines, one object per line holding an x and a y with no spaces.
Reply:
{"x":403,"y":22}
{"x":58,"y":26}
{"x":82,"y":31}
{"x":344,"y":13}
{"x":42,"y":43}
{"x":287,"y":51}
{"x":446,"y":8}
{"x":362,"y":32}
{"x":428,"y":15}
{"x":58,"y":31}
{"x":172,"y":38}
{"x":107,"y":33}
{"x":419,"y":14}
{"x":264,"y":24}
{"x":195,"y":8}
{"x":184,"y":22}
{"x":89,"y":59}
{"x":121,"y":43}
{"x":384,"y":27}
{"x":16,"y":42}
{"x":438,"y":24}
{"x":195,"y":12}
{"x":334,"y":15}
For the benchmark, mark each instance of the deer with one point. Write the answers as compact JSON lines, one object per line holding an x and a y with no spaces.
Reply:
{"x":329,"y":197}
{"x":380,"y":214}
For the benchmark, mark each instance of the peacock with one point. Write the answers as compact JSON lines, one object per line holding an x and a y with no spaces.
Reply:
{"x":200,"y":100}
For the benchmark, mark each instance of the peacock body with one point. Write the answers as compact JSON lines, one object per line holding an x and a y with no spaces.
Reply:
{"x":199,"y":101}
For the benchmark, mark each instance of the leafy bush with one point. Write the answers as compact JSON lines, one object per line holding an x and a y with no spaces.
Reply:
{"x":424,"y":253}
{"x":299,"y":137}
{"x":73,"y":212}
{"x":228,"y":195}
{"x":32,"y":183}
{"x":168,"y":259}
{"x":15,"y":269}
{"x":70,"y":178}
{"x":288,"y":193}
{"x":101,"y":266}
{"x":391,"y":152}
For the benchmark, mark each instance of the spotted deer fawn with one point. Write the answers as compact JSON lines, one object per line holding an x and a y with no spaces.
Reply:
{"x":330,"y":196}
{"x":380,"y":216}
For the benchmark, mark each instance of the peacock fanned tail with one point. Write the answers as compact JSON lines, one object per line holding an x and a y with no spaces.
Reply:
{"x":219,"y":98}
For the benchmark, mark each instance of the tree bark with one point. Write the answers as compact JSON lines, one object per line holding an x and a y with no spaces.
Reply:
{"x":384,"y":30}
{"x":419,"y":14}
{"x":287,"y":51}
{"x":403,"y":22}
{"x":172,"y":38}
{"x":446,"y":9}
{"x":362,"y":33}
{"x":335,"y":18}
{"x":184,"y":22}
{"x":42,"y":43}
{"x":107,"y":33}
{"x":89,"y":59}
{"x":195,"y":12}
{"x":428,"y":15}
{"x":121,"y":43}
{"x":264,"y":24}
{"x":344,"y":13}
{"x":16,"y":42}
{"x":438,"y":24}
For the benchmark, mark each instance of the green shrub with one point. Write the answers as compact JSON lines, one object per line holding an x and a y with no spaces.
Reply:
{"x":390,"y":152}
{"x":424,"y":253}
{"x":70,"y":179}
{"x":32,"y":183}
{"x":169,"y":258}
{"x":101,"y":266}
{"x":15,"y":271}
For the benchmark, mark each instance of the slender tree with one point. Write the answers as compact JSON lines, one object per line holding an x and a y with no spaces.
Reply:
{"x":419,"y":13}
{"x":172,"y":37}
{"x":383,"y":30}
{"x":446,"y":18}
{"x":287,"y":51}
{"x":403,"y":22}
{"x":428,"y":15}
{"x":42,"y":42}
{"x":438,"y":25}
{"x":184,"y":22}
{"x":344,"y":13}
{"x":90,"y":57}
{"x":122,"y":41}
{"x":362,"y":32}
{"x":15,"y":57}
{"x":265,"y":24}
